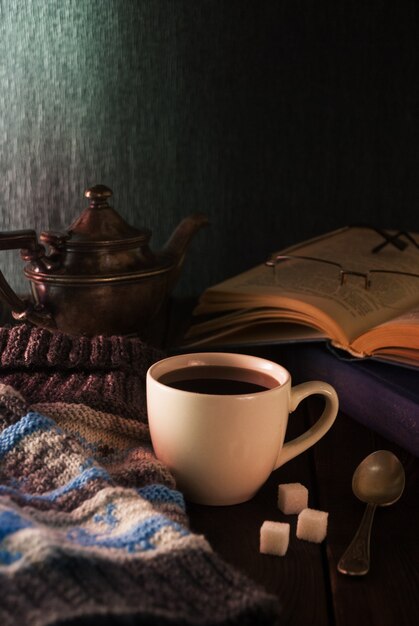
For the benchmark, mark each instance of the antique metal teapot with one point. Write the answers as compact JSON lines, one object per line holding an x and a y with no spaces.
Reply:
{"x":98,"y":277}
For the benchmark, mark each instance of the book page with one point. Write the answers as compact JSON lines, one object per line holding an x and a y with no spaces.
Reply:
{"x":396,"y":336}
{"x":315,"y":287}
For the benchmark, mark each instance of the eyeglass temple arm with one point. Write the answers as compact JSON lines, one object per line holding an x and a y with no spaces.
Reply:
{"x":278,"y":258}
{"x":396,"y":241}
{"x":388,"y":238}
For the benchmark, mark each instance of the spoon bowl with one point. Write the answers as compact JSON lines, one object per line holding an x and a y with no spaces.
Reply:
{"x":378,"y":481}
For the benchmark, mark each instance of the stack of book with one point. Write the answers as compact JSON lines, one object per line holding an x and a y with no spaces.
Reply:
{"x":355,"y":290}
{"x":377,"y":394}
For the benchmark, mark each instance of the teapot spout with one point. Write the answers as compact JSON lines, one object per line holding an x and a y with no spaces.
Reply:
{"x":179,"y":240}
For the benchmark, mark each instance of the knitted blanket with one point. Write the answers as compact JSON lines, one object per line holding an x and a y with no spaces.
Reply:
{"x":92,"y":529}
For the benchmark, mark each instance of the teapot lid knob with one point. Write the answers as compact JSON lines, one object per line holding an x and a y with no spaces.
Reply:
{"x":98,"y":196}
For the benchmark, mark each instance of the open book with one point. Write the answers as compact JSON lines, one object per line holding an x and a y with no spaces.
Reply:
{"x":332,"y":288}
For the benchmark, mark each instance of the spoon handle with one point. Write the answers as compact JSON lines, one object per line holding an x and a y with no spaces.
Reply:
{"x":356,"y":559}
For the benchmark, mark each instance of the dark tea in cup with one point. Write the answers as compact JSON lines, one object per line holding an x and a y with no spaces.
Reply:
{"x":219,"y":380}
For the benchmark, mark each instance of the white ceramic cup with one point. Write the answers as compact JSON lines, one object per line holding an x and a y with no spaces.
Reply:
{"x":222,"y":448}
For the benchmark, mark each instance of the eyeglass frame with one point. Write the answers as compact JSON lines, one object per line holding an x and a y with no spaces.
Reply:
{"x":343,"y":273}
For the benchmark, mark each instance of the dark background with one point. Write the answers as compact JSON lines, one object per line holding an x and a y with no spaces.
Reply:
{"x":279,"y":119}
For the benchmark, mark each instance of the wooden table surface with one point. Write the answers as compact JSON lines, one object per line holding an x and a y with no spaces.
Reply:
{"x":306,"y":581}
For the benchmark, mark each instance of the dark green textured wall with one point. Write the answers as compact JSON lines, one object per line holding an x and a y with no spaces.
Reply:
{"x":277,"y":119}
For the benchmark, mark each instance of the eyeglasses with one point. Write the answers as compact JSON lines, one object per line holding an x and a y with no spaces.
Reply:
{"x":342,"y":273}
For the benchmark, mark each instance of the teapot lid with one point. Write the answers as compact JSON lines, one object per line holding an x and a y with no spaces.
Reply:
{"x":99,"y":243}
{"x":100,"y":223}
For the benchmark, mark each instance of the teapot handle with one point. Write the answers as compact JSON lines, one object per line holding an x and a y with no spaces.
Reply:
{"x":30,"y":249}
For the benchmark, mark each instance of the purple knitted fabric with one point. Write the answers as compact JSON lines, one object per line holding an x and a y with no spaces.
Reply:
{"x":92,"y":529}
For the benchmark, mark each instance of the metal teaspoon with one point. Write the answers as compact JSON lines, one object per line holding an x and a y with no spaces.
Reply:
{"x":379,"y":481}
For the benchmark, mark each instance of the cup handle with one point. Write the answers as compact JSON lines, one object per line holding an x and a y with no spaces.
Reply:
{"x":312,"y":435}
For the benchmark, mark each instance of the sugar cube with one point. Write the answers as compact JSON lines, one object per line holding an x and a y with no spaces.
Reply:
{"x":274,"y":538}
{"x":292,"y":498}
{"x":312,"y":525}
